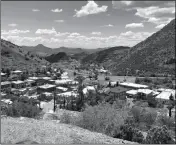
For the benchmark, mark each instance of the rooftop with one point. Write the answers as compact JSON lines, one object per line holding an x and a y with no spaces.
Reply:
{"x":164,"y":95}
{"x":47,"y":86}
{"x":2,"y":74}
{"x":18,"y":82}
{"x":33,"y":78}
{"x":17,"y":71}
{"x":68,"y":94}
{"x":133,"y":85}
{"x":5,"y":83}
{"x":118,"y":89}
{"x":46,"y":78}
{"x":62,"y":88}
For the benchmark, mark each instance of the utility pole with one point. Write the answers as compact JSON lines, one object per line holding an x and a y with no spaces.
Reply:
{"x":54,"y":107}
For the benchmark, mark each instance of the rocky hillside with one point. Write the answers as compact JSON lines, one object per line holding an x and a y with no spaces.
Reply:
{"x":13,"y":56}
{"x":15,"y":130}
{"x":156,"y":54}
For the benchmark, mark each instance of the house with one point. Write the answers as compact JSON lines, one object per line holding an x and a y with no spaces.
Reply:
{"x":164,"y":97}
{"x":3,"y":76}
{"x":46,"y":88}
{"x":30,"y":83}
{"x":87,"y":89}
{"x":7,"y":101}
{"x":133,"y":85}
{"x":16,"y":74}
{"x":6,"y":87}
{"x":118,"y":92}
{"x":131,"y":93}
{"x":40,"y":80}
{"x":18,"y":84}
{"x":59,"y":82}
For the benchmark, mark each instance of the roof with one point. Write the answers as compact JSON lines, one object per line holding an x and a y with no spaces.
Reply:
{"x":62,"y":88}
{"x":28,"y":80}
{"x":7,"y":101}
{"x":18,"y":82}
{"x":167,"y":90}
{"x":118,"y":89}
{"x":46,"y":78}
{"x":145,"y":91}
{"x":17,"y":71}
{"x":132,"y":92}
{"x":47,"y":86}
{"x":33,"y":78}
{"x":5,"y":83}
{"x":2,"y":74}
{"x":62,"y":81}
{"x":68,"y":94}
{"x":47,"y":94}
{"x":3,"y":94}
{"x":164,"y":95}
{"x":133,"y":85}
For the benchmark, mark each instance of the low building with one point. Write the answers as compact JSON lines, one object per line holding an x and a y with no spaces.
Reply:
{"x":3,"y":76}
{"x":16,"y":73}
{"x":30,"y":83}
{"x":46,"y":88}
{"x":60,"y":82}
{"x":61,"y":89}
{"x":132,"y":93}
{"x":164,"y":97}
{"x":6,"y":87}
{"x":133,"y":85}
{"x":18,"y":84}
{"x":7,"y":101}
{"x":118,"y":93}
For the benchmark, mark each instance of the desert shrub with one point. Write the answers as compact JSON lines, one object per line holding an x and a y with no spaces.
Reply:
{"x":18,"y":109}
{"x":159,"y":135}
{"x":151,"y":101}
{"x":149,"y":118}
{"x":128,"y":132}
{"x":160,"y":105}
{"x":166,"y":120}
{"x":136,"y":112}
{"x":103,"y":118}
{"x":137,"y":80}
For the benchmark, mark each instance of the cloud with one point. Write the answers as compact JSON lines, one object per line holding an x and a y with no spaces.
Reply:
{"x":59,"y":21}
{"x":90,"y":8}
{"x":12,"y":25}
{"x":109,"y":25}
{"x":56,"y":10}
{"x":136,"y":36}
{"x":134,"y":25}
{"x":35,"y":10}
{"x":96,"y":33}
{"x":14,"y":32}
{"x":46,"y":31}
{"x":127,"y":2}
{"x":73,"y":35}
{"x":160,"y":26}
{"x":62,"y":34}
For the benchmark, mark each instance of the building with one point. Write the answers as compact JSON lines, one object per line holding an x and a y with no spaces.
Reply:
{"x":18,"y":84}
{"x":118,"y":93}
{"x":3,"y":76}
{"x":46,"y":88}
{"x":30,"y":83}
{"x":6,"y":87}
{"x":61,"y":89}
{"x":133,"y":85}
{"x":16,"y":74}
{"x":164,"y":97}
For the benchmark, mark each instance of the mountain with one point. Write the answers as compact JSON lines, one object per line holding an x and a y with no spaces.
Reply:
{"x":40,"y":49}
{"x":156,"y":54}
{"x":14,"y":56}
{"x":57,"y":57}
{"x":106,"y":57}
{"x":44,"y":51}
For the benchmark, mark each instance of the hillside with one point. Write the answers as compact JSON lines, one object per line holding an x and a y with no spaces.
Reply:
{"x":14,"y":130}
{"x":57,"y":57}
{"x":13,"y":56}
{"x":156,"y":54}
{"x":107,"y":57}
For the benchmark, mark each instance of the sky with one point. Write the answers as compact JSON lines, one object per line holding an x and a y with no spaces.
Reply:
{"x":83,"y":24}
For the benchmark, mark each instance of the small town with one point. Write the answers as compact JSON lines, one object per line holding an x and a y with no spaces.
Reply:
{"x":88,"y":72}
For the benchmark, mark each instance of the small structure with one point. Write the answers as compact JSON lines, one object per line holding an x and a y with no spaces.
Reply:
{"x":88,"y":88}
{"x":30,"y":83}
{"x":61,"y":89}
{"x":7,"y":101}
{"x":46,"y":88}
{"x":16,"y":73}
{"x":59,"y":82}
{"x":118,"y":92}
{"x":164,"y":97}
{"x":6,"y":86}
{"x":18,"y":84}
{"x":3,"y":76}
{"x":133,"y":85}
{"x":131,"y":93}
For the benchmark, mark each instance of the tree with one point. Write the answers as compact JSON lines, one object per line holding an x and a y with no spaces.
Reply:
{"x":151,"y":101}
{"x":159,"y":135}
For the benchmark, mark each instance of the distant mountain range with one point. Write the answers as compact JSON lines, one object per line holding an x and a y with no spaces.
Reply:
{"x":42,"y":50}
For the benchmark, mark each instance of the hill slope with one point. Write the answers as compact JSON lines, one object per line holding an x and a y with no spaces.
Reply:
{"x":57,"y":57}
{"x":14,"y":56}
{"x":45,"y":131}
{"x":156,"y":54}
{"x":107,"y":57}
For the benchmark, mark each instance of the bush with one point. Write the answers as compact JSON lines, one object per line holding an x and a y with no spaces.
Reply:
{"x":127,"y":132}
{"x":65,"y":118}
{"x":136,"y":112}
{"x":103,"y":118}
{"x":137,"y":81}
{"x":159,"y":135}
{"x":167,"y":121}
